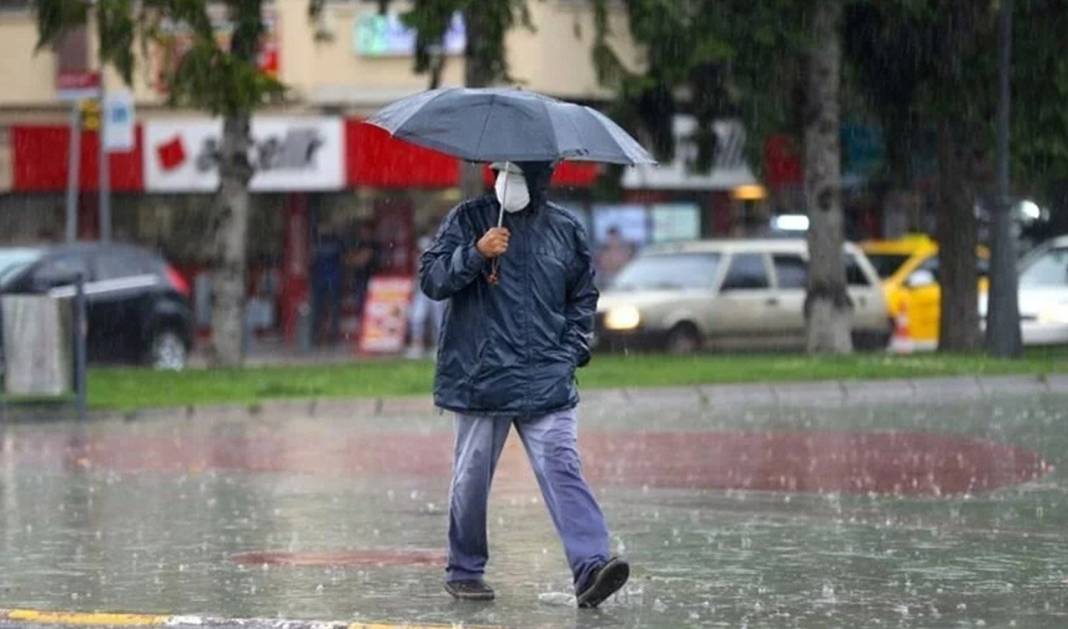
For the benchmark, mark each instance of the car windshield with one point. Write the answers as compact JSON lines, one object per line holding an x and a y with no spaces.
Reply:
{"x":886,"y":264}
{"x":14,"y":260}
{"x":1049,"y":269}
{"x":669,"y":270}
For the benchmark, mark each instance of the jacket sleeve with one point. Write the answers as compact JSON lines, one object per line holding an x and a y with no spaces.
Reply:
{"x":581,"y":301}
{"x":453,"y":261}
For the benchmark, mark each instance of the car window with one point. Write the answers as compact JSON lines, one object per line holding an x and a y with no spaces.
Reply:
{"x":61,"y":270}
{"x":886,"y":264}
{"x":931,"y":264}
{"x":854,"y":274}
{"x":112,"y":265}
{"x":1049,"y":269}
{"x":12,"y":261}
{"x":747,"y":271}
{"x":982,"y":267}
{"x":791,"y":270}
{"x":671,"y":270}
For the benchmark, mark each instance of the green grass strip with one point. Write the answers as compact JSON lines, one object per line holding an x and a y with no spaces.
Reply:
{"x":127,"y":389}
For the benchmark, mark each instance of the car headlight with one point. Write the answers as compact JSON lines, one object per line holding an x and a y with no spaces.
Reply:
{"x":622,"y":318}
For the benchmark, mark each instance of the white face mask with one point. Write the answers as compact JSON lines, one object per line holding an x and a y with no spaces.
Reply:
{"x":512,"y":192}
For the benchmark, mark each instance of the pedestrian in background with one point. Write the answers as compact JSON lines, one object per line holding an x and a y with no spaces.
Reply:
{"x":361,"y":261}
{"x":423,"y":312}
{"x":326,"y":277}
{"x":612,"y":256}
{"x":521,"y":302}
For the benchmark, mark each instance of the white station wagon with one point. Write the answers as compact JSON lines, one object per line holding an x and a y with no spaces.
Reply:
{"x":729,"y":294}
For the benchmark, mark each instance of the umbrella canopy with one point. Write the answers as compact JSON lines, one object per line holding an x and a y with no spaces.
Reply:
{"x":507,"y":124}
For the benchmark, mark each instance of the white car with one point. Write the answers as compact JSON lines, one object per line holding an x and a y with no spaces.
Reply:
{"x":1043,"y":294}
{"x":729,"y":294}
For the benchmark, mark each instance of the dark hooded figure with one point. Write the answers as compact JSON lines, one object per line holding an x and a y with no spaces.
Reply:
{"x":521,"y":303}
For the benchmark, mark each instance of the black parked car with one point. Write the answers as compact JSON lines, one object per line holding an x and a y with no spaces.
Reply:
{"x":138,"y":305}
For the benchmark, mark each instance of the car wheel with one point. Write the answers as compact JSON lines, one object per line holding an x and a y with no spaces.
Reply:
{"x":168,"y":351}
{"x":683,"y":339}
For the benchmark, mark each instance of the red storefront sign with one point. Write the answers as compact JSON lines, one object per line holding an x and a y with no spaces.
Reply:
{"x":40,"y":154}
{"x":566,"y":175}
{"x":372,"y":158}
{"x":377,"y":160}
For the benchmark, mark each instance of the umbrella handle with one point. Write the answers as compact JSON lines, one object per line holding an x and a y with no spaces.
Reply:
{"x":495,"y":266}
{"x":500,"y":215}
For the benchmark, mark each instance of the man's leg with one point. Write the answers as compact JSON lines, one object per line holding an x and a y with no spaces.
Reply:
{"x":479,"y":441}
{"x":551,"y":445}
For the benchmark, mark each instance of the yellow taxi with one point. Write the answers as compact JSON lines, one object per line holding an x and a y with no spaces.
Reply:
{"x":908,"y":268}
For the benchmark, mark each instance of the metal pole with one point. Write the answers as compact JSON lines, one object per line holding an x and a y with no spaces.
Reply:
{"x":105,"y":175}
{"x":79,"y":325}
{"x":1003,"y":313}
{"x":74,"y":148}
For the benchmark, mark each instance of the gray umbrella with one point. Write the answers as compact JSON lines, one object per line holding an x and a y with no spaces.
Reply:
{"x":507,"y":124}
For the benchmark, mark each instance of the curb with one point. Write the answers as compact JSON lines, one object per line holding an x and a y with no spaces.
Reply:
{"x":33,"y":617}
{"x":936,"y":389}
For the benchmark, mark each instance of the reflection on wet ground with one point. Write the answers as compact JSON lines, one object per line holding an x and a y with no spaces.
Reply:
{"x":911,"y":515}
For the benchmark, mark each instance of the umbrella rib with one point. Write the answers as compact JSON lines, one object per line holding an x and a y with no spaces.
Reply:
{"x":415,"y":110}
{"x":485,"y":123}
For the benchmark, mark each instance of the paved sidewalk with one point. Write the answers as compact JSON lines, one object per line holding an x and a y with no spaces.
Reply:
{"x":906,"y":503}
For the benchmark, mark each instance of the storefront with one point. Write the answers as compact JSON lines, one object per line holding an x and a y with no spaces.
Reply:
{"x":314,"y":174}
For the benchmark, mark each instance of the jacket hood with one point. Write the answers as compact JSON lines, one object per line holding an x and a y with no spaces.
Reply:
{"x":538,"y":176}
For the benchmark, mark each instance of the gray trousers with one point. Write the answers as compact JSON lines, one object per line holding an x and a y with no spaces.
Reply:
{"x":550,"y":442}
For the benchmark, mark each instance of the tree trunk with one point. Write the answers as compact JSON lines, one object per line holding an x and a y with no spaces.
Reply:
{"x":828,"y":309}
{"x":231,"y":241}
{"x":958,"y":329}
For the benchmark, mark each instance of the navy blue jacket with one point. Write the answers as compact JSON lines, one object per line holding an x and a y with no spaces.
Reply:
{"x":511,"y":348}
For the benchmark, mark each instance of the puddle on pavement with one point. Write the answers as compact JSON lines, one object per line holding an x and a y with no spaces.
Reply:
{"x":911,"y":515}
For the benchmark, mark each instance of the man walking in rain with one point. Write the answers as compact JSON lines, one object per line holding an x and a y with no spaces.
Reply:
{"x":518,"y":324}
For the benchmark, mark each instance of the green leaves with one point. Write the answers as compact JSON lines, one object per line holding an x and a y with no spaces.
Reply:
{"x":710,"y":58}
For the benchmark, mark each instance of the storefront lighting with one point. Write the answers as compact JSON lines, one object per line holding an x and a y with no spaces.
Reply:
{"x":790,"y":222}
{"x":750,"y":192}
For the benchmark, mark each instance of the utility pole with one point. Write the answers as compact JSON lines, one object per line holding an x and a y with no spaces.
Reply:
{"x":74,"y":149}
{"x":1003,"y":311}
{"x":104,"y":185}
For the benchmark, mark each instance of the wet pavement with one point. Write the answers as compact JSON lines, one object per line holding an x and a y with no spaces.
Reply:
{"x":896,"y":514}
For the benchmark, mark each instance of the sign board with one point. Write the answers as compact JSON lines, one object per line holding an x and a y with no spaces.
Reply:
{"x":385,"y":315}
{"x":729,"y":168}
{"x":378,"y":35}
{"x":676,"y":221}
{"x":119,"y":115}
{"x":75,"y":85}
{"x":632,"y":221}
{"x":289,"y":154}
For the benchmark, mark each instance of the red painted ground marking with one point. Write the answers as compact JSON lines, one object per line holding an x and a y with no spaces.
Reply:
{"x":367,"y":557}
{"x":854,"y":462}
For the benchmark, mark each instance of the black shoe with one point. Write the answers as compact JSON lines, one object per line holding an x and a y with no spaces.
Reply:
{"x":605,"y":582}
{"x":469,"y":590}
